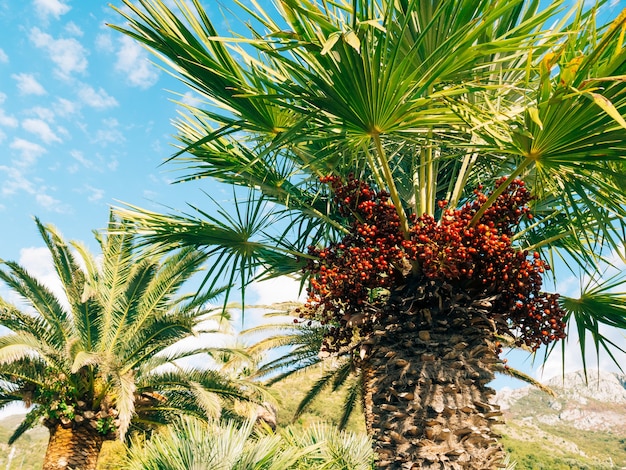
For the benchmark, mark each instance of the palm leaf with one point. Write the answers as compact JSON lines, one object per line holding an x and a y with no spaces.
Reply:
{"x":30,"y":421}
{"x":599,"y":305}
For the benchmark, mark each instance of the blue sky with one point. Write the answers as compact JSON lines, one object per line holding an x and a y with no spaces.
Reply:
{"x":85,"y":121}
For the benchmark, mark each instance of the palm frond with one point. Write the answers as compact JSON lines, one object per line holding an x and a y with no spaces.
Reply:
{"x":30,"y":421}
{"x":600,"y":305}
{"x":42,"y":299}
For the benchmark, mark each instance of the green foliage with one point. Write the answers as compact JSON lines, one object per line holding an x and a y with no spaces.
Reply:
{"x":105,"y":425}
{"x":534,"y":455}
{"x":29,"y":449}
{"x":226,"y":446}
{"x":423,"y":100}
{"x":325,"y":407}
{"x":106,"y":348}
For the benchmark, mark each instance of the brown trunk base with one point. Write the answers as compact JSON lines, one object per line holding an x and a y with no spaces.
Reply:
{"x":72,"y":448}
{"x":425,"y":390}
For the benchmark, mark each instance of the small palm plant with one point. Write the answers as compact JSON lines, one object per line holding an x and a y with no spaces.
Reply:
{"x":100,"y":358}
{"x":194,"y":444}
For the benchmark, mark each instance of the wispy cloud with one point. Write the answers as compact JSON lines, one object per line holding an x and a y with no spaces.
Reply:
{"x":41,"y":129}
{"x":4,"y":58}
{"x":17,"y":182}
{"x":27,"y":84}
{"x":96,"y":164}
{"x":7,"y":120}
{"x":132,"y":61}
{"x":28,"y":151}
{"x":104,"y":42}
{"x":42,"y":113}
{"x":93,"y":194}
{"x":68,"y":54}
{"x":64,"y":107}
{"x":98,"y":99}
{"x":46,"y":8}
{"x":109,"y":133}
{"x":50,"y":203}
{"x":73,"y":29}
{"x":191,"y":99}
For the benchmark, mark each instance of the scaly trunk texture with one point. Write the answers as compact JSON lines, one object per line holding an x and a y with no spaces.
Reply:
{"x":425,"y":375}
{"x":72,"y":448}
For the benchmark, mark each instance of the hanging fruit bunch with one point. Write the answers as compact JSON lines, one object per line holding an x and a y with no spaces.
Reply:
{"x":350,"y":280}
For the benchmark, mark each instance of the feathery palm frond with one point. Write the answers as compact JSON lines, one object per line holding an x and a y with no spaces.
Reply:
{"x":99,"y":349}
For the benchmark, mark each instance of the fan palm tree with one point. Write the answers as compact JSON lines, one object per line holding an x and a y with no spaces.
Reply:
{"x":99,"y":358}
{"x":416,"y":162}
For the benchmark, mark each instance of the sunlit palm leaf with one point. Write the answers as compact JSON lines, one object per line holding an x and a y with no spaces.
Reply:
{"x":600,"y":305}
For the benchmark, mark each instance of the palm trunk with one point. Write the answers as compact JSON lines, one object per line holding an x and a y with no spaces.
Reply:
{"x":72,"y":447}
{"x":425,"y":376}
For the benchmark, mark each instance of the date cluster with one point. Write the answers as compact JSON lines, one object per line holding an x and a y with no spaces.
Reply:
{"x":348,"y":279}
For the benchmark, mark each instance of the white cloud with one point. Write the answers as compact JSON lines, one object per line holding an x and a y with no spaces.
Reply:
{"x":42,"y":113}
{"x":65,"y":107}
{"x":49,"y":203}
{"x":15,"y":181}
{"x":68,"y":54}
{"x":132,"y":61}
{"x":4,"y":58}
{"x":109,"y":134}
{"x":573,"y":357}
{"x":94,"y":194}
{"x":29,"y":151}
{"x":28,"y":85}
{"x":73,"y":29}
{"x":6,"y":120}
{"x":45,"y":8}
{"x":104,"y":42}
{"x":98,"y":99}
{"x":41,"y":129}
{"x":276,"y":290}
{"x":3,"y":97}
{"x":78,"y":156}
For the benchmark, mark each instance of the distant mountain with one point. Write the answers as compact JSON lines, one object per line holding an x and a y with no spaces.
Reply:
{"x":583,"y":426}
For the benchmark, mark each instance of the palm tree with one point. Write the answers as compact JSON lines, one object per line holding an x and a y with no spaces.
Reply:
{"x":100,"y":357}
{"x":416,"y":162}
{"x":228,"y":446}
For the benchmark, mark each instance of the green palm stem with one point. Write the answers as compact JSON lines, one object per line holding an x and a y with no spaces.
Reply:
{"x":391,"y":185}
{"x":461,"y":180}
{"x":377,"y":176}
{"x":421,"y":200}
{"x":500,"y":189}
{"x":428,"y":179}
